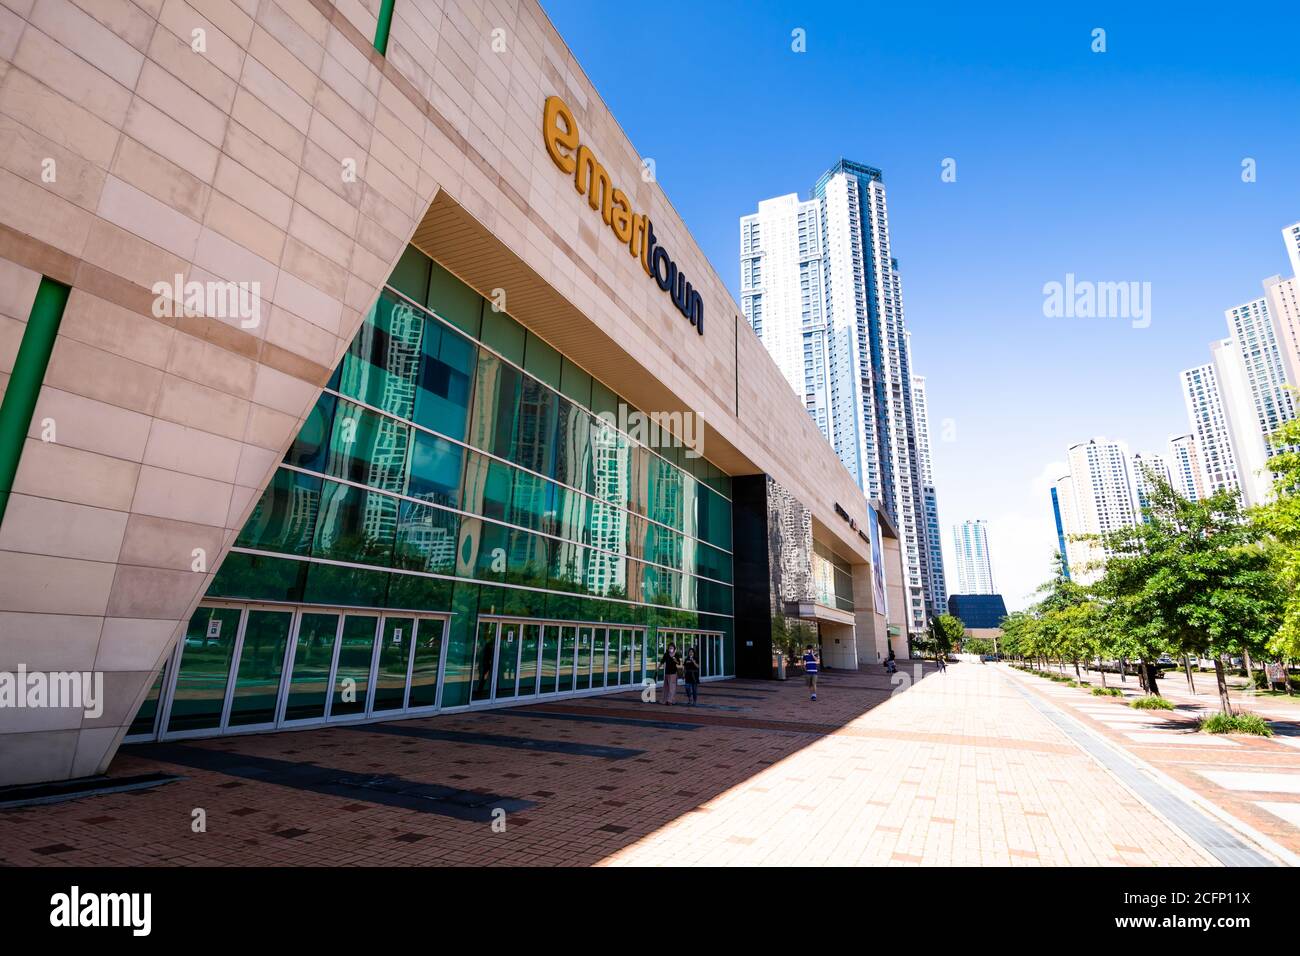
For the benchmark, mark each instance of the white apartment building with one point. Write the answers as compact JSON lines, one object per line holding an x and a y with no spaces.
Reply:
{"x":1209,"y":424}
{"x":820,"y":287}
{"x":1186,"y":472}
{"x":781,"y":294}
{"x":1283,"y":297}
{"x":1259,"y":401}
{"x":1145,"y":468}
{"x":936,"y":585}
{"x":970,"y":541}
{"x":1095,"y":497}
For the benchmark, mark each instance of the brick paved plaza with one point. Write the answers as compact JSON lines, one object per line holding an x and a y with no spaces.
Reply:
{"x":963,"y":768}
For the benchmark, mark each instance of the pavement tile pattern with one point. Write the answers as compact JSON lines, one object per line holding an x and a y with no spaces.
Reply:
{"x":955,"y":768}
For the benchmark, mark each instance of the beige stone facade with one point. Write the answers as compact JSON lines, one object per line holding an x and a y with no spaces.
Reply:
{"x":267,"y":142}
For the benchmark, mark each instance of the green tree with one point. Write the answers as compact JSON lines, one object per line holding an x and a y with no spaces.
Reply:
{"x":1192,"y":577}
{"x":1280,"y":519}
{"x":947,"y":631}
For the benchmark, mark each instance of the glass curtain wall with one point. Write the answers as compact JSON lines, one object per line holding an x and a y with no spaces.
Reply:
{"x":456,"y":463}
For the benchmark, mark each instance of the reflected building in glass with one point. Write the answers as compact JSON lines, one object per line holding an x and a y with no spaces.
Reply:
{"x":454,"y":526}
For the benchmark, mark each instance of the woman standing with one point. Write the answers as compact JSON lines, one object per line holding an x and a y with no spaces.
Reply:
{"x":692,"y":673}
{"x":671,"y":663}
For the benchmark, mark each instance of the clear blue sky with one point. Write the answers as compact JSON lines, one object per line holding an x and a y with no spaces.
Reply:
{"x":1118,"y":166}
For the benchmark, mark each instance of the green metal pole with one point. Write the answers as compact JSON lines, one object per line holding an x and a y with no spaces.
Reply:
{"x":25,"y":382}
{"x":384,"y":25}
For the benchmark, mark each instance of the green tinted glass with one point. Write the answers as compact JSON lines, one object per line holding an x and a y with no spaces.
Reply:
{"x":355,"y":525}
{"x":381,"y":365}
{"x":454,"y":301}
{"x":148,"y":712}
{"x":530,"y":642}
{"x":550,"y":658}
{"x":368,"y":448}
{"x":284,"y":519}
{"x":204,"y":671}
{"x":446,"y":378}
{"x":435,"y":470}
{"x":426,"y":539}
{"x":509,"y":636}
{"x":352,"y":677}
{"x":312,"y":659}
{"x":312,"y":442}
{"x":424,"y":669}
{"x":261,"y":664}
{"x":394,"y":657}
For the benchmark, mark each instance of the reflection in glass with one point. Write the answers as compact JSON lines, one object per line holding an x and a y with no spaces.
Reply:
{"x":598,"y":657}
{"x":260,"y":667}
{"x":507,"y":659}
{"x":568,"y":641}
{"x":356,"y":651}
{"x":394,"y":656}
{"x":312,"y":659}
{"x":148,"y":712}
{"x":528,"y":660}
{"x":424,"y":670}
{"x":484,"y":653}
{"x":584,"y":659}
{"x":201,"y":680}
{"x":550,"y":658}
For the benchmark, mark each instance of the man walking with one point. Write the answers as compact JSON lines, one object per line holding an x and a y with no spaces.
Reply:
{"x":810,"y":668}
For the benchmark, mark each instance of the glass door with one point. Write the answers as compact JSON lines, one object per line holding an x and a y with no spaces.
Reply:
{"x":568,"y":657}
{"x":313,"y":658}
{"x":355,"y":657}
{"x":484,"y":658}
{"x":427,"y":660}
{"x":583,"y":677}
{"x":598,"y":660}
{"x":396,"y":638}
{"x":529,"y":645}
{"x":550,"y":658}
{"x":508,"y":641}
{"x":263,"y":647}
{"x":145,"y":724}
{"x":207,"y":650}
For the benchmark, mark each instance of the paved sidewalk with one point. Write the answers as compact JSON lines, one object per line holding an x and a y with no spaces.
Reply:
{"x":959,"y":769}
{"x":1256,"y":780}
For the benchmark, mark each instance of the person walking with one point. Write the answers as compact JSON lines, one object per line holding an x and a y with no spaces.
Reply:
{"x":943,"y":665}
{"x":671,"y":662}
{"x":691,"y":671}
{"x":810,"y":669}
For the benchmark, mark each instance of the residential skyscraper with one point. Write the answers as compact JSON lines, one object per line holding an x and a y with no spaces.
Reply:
{"x":1209,"y":423}
{"x":936,"y":586}
{"x":781,"y":294}
{"x":1261,"y":401}
{"x":846,"y":322}
{"x":1284,"y":305}
{"x":1186,"y":472}
{"x":1283,"y":297}
{"x":1144,"y":468}
{"x":970,"y":541}
{"x":1095,"y":497}
{"x":1291,"y":237}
